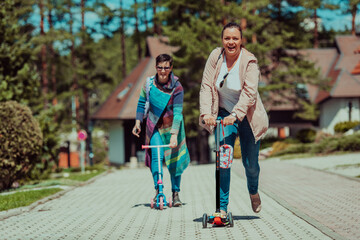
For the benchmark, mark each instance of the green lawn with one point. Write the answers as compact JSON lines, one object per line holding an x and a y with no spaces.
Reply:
{"x":25,"y":198}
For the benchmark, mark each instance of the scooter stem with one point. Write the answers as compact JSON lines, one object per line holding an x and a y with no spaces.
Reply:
{"x":217,"y":172}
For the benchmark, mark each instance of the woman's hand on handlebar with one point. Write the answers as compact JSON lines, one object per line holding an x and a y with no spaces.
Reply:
{"x":229,"y":120}
{"x":137,"y":128}
{"x":173,"y":141}
{"x":209,"y":120}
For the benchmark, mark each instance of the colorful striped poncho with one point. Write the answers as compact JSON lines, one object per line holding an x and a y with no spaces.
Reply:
{"x":165,"y":113}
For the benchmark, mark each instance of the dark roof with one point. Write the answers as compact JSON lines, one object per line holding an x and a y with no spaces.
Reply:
{"x":122,"y":102}
{"x":115,"y":105}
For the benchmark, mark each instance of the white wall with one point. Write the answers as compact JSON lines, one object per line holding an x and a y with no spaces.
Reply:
{"x":337,"y":110}
{"x":116,"y":143}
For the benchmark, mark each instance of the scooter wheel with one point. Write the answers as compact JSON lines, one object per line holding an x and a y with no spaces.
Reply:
{"x":204,"y":220}
{"x":230,"y":219}
{"x":161,"y":203}
{"x":152,"y":203}
{"x":170,"y":202}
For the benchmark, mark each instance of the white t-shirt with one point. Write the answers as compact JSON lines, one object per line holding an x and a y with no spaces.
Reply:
{"x":229,"y":93}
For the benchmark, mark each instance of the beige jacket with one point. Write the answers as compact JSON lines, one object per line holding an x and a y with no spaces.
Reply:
{"x":249,"y":105}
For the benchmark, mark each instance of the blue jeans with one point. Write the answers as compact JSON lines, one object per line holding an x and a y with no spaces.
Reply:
{"x":249,"y":153}
{"x":156,"y":140}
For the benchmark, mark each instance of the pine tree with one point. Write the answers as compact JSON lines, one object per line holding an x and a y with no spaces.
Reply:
{"x":19,"y":79}
{"x":352,"y":7}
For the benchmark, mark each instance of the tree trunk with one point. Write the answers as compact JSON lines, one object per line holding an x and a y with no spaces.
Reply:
{"x":316,"y":39}
{"x":137,"y":33}
{"x":52,"y":56}
{"x":157,"y":29}
{"x":353,"y":14}
{"x":44,"y":78}
{"x":74,"y":86}
{"x":145,"y":15}
{"x":122,"y":32}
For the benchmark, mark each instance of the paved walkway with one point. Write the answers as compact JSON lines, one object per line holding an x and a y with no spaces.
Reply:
{"x":298,"y":203}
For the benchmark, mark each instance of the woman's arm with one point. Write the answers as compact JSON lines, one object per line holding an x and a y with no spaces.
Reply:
{"x":140,"y":110}
{"x":249,"y":91}
{"x":177,"y":108}
{"x":206,"y":96}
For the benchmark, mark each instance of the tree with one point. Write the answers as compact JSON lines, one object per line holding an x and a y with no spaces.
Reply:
{"x":19,"y":80}
{"x":44,"y":77}
{"x":20,"y":142}
{"x":271,"y":29}
{"x":352,"y":7}
{"x":311,"y":9}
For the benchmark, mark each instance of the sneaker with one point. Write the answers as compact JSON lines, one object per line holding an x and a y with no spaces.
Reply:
{"x":176,"y":199}
{"x":223,"y":213}
{"x":255,"y":202}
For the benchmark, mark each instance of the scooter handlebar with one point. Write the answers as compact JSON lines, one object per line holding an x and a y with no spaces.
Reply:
{"x":154,"y":146}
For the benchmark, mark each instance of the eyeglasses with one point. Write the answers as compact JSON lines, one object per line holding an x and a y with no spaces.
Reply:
{"x":162,"y":68}
{"x":224,"y":78}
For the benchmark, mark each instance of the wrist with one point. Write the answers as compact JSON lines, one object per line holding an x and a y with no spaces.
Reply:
{"x":233,"y":114}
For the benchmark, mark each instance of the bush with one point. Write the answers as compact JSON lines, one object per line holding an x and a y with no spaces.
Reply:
{"x":100,"y":146}
{"x":278,"y":147}
{"x":20,"y":142}
{"x":325,"y":146}
{"x":350,"y":143}
{"x":342,"y":127}
{"x":306,"y":135}
{"x":296,"y":148}
{"x":50,"y":147}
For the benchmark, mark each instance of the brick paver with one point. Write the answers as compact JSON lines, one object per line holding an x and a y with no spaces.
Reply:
{"x":116,"y":206}
{"x":329,"y":199}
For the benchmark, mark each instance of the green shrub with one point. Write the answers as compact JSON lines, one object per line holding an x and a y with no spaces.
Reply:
{"x":342,"y":127}
{"x":292,"y":149}
{"x":100,"y":147}
{"x":50,"y":147}
{"x":20,"y":142}
{"x":350,"y":143}
{"x":306,"y":135}
{"x":325,"y":146}
{"x":278,"y":147}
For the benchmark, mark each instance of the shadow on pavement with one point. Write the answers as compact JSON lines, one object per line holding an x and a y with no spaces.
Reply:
{"x":141,"y":204}
{"x":234,"y":217}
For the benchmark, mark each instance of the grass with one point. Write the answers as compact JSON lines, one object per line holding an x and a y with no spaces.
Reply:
{"x":25,"y":198}
{"x":344,"y":166}
{"x":296,"y":156}
{"x":84,"y":177}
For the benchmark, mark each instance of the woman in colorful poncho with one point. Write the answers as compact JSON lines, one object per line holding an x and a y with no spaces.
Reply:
{"x":164,"y":124}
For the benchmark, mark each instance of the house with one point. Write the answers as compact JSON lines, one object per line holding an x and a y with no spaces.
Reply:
{"x":339,"y":102}
{"x":119,"y":110}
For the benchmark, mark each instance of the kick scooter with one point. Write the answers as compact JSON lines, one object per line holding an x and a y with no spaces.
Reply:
{"x":216,"y":218}
{"x":160,"y":197}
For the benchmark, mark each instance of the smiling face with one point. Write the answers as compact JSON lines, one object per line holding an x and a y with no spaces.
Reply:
{"x":163,"y":70}
{"x":232,"y":42}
